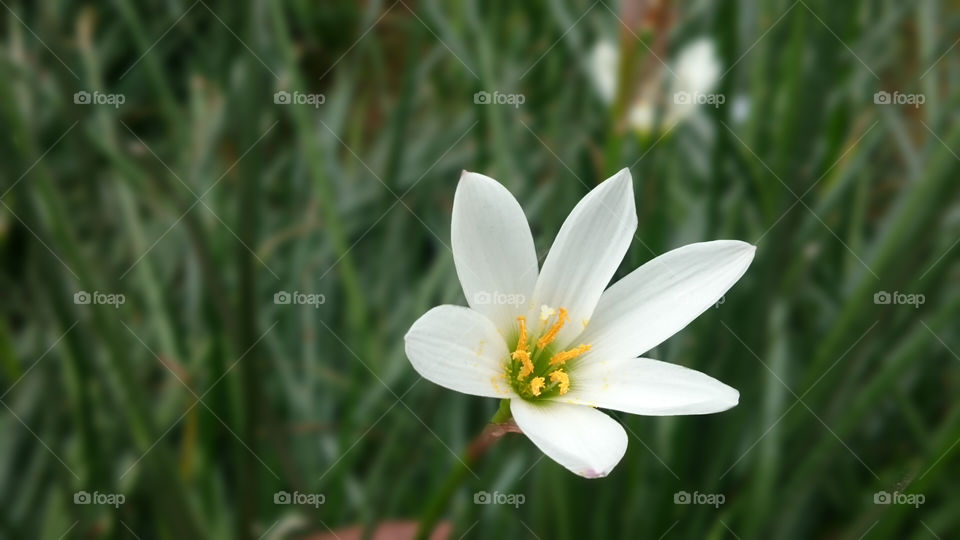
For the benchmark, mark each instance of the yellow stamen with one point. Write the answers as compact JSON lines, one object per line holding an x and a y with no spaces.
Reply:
{"x":536,"y":385}
{"x":522,"y":341}
{"x":523,"y":352}
{"x":552,"y":332}
{"x":526,"y":366}
{"x":562,"y":356}
{"x":559,"y":376}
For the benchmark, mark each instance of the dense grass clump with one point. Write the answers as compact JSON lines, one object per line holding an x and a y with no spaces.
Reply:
{"x":219,"y":219}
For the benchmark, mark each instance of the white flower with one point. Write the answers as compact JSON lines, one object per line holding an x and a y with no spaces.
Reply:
{"x":602,"y":67}
{"x":697,"y":67}
{"x":569,"y":345}
{"x":695,"y":72}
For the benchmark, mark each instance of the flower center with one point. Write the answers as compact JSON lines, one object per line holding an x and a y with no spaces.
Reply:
{"x":535,"y":369}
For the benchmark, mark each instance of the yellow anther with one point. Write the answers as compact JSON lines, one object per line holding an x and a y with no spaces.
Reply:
{"x":536,"y":385}
{"x":552,"y":332}
{"x":562,"y":356}
{"x":559,"y":376}
{"x":526,"y":366}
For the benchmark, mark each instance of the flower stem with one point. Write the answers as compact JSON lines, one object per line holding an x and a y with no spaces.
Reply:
{"x":499,"y":425}
{"x":502,"y":415}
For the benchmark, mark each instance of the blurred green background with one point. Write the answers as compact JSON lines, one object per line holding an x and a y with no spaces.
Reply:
{"x":184,"y":183}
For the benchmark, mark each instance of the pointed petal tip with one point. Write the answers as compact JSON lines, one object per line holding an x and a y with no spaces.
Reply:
{"x":592,"y":474}
{"x":624,"y":181}
{"x":466,"y":175}
{"x":740,"y":246}
{"x":623,"y":175}
{"x":739,"y":243}
{"x":732,"y":397}
{"x":475,"y":179}
{"x":725,"y":398}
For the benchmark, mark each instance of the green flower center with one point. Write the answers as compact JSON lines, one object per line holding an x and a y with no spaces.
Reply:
{"x":535,"y":369}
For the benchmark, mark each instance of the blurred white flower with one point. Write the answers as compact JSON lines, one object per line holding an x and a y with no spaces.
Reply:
{"x":570,"y":346}
{"x":604,"y":60}
{"x":696,"y":73}
{"x":697,"y":67}
{"x":693,"y":74}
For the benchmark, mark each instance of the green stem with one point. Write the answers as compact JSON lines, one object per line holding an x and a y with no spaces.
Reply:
{"x":503,"y":413}
{"x":490,"y":434}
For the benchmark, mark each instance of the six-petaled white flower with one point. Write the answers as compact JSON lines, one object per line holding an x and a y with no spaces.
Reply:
{"x":552,"y":340}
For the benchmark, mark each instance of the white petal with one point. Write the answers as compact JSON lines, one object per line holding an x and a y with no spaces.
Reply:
{"x":582,"y":439}
{"x":661,"y":297}
{"x":493,"y":250}
{"x":459,"y":349}
{"x":589,"y":248}
{"x":648,"y":387}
